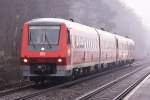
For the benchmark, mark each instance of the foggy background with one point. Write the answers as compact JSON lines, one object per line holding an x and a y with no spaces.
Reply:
{"x":112,"y":15}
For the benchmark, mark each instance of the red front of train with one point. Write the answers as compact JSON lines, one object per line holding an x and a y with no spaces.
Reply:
{"x":44,"y":49}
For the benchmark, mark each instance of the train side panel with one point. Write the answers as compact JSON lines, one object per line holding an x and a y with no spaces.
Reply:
{"x":108,"y":48}
{"x":84,"y":48}
{"x":125,"y":50}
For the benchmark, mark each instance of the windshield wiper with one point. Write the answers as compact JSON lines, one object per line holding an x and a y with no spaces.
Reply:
{"x":46,"y":38}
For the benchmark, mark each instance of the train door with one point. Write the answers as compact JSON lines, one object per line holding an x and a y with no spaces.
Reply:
{"x":99,"y":42}
{"x":117,"y":50}
{"x":69,"y":48}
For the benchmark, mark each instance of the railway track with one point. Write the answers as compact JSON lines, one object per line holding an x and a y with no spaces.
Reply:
{"x":32,"y":92}
{"x":15,"y":89}
{"x":68,"y":84}
{"x":108,"y":85}
{"x":112,"y":83}
{"x":130,"y":88}
{"x":14,"y":85}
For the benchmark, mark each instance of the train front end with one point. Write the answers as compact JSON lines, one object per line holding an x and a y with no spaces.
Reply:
{"x":44,"y":50}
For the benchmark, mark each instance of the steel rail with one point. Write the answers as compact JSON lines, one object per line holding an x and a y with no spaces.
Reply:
{"x":110,"y":84}
{"x":71,"y":83}
{"x":130,"y":88}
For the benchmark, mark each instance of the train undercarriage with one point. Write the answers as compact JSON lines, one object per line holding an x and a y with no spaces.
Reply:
{"x":49,"y":72}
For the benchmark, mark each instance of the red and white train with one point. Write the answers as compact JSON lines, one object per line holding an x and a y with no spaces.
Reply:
{"x":53,"y":47}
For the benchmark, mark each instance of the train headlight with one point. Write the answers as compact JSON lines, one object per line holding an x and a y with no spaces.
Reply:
{"x":25,"y":60}
{"x":42,"y":49}
{"x":59,"y":60}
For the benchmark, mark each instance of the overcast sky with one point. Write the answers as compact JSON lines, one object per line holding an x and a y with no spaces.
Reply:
{"x":140,"y":7}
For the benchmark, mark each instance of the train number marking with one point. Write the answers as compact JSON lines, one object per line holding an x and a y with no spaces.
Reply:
{"x":42,"y":53}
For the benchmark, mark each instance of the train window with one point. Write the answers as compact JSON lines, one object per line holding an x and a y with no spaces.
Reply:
{"x":76,"y":39}
{"x":44,"y":34}
{"x":86,"y":43}
{"x":80,"y":42}
{"x":90,"y":44}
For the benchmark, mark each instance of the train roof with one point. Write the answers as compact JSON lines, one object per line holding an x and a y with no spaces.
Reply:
{"x":56,"y":20}
{"x":68,"y":23}
{"x":105,"y":33}
{"x":78,"y":26}
{"x":125,"y":39}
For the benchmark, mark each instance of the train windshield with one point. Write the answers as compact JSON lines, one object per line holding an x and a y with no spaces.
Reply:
{"x":43,"y":36}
